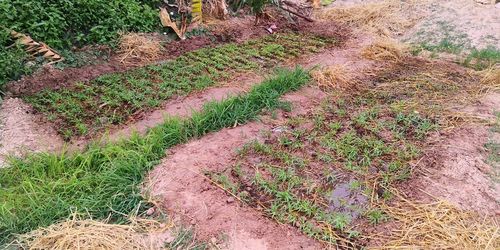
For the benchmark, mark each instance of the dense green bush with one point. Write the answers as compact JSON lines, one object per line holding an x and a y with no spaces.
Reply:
{"x":63,"y":23}
{"x":12,"y":61}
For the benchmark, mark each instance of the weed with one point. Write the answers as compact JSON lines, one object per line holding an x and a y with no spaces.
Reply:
{"x":185,"y":239}
{"x":376,"y":216}
{"x":445,"y":45}
{"x":483,"y":58}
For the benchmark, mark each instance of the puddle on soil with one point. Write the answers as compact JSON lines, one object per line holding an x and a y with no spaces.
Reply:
{"x":347,"y":198}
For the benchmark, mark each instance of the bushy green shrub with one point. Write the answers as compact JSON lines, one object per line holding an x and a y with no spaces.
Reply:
{"x":12,"y":61}
{"x":63,"y":23}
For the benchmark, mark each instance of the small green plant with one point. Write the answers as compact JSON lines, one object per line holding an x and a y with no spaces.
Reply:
{"x":483,"y":58}
{"x":376,"y":216}
{"x":184,"y":239}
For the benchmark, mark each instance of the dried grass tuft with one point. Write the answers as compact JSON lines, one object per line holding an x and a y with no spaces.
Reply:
{"x":438,"y":89}
{"x":216,"y":9}
{"x":137,"y":49}
{"x":385,"y":19}
{"x":440,"y":225}
{"x":80,"y":233}
{"x":491,"y":77}
{"x":336,"y":76}
{"x":386,"y":50}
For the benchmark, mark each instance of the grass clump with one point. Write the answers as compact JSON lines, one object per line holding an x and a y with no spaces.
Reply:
{"x":483,"y":58}
{"x":110,"y":99}
{"x":103,"y":180}
{"x":185,"y":239}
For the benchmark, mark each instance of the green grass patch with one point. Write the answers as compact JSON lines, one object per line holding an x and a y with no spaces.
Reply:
{"x":445,"y":45}
{"x":102,"y":180}
{"x":477,"y":59}
{"x":483,"y":58}
{"x":113,"y":98}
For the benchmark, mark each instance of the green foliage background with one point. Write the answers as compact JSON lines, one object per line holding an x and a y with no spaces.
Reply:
{"x":65,"y":23}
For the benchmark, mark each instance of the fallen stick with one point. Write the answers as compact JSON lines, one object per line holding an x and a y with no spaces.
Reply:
{"x":297,"y":14}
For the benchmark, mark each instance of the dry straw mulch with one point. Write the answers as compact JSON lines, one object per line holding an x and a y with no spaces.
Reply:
{"x":385,"y":19}
{"x":337,"y":76}
{"x":139,"y":49}
{"x":386,"y":50}
{"x":440,"y":225}
{"x":80,"y":233}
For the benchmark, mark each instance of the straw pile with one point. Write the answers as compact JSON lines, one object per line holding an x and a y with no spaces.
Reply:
{"x":491,"y":77}
{"x":385,"y":49}
{"x":137,"y":49}
{"x":385,"y":19}
{"x":440,"y":225}
{"x":79,"y":233}
{"x":215,"y":8}
{"x":336,"y":76}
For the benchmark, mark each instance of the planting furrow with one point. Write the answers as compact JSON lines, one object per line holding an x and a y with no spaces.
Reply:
{"x":102,"y":180}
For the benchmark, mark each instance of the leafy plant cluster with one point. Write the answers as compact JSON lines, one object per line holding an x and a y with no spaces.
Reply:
{"x":63,"y":24}
{"x":103,"y":180}
{"x":12,"y":60}
{"x":113,"y":98}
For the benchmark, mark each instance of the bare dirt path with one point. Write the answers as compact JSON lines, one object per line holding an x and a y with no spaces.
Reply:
{"x":21,"y":131}
{"x":455,"y":165}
